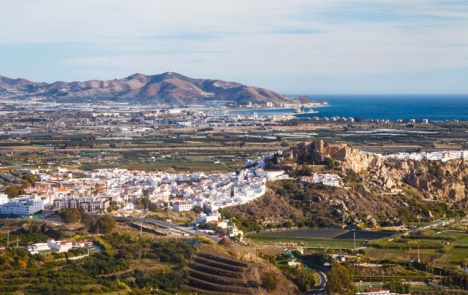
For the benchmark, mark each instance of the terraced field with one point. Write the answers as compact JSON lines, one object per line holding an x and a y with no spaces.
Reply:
{"x":221,"y":274}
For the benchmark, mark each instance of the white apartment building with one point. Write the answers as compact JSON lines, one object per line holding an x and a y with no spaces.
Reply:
{"x":182,"y":206}
{"x":22,"y":206}
{"x":3,"y":199}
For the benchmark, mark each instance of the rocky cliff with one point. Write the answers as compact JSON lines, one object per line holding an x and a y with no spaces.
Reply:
{"x":377,"y":191}
{"x":434,"y":179}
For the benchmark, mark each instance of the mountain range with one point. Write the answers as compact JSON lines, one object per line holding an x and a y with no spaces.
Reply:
{"x":167,"y":88}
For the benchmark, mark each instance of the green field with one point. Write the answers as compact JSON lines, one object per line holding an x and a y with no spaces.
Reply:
{"x":307,"y":242}
{"x":326,"y":234}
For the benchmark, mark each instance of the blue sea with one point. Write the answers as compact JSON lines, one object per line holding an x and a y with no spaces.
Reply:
{"x":391,"y":107}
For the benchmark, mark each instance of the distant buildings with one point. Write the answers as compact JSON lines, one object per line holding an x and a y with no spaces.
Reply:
{"x":56,"y":246}
{"x":3,"y":199}
{"x":326,"y":179}
{"x":377,"y":292}
{"x":21,"y":206}
{"x":443,"y":156}
{"x":89,"y":204}
{"x":204,"y":218}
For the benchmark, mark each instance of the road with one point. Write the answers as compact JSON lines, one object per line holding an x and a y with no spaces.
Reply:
{"x":169,"y":226}
{"x":321,"y":288}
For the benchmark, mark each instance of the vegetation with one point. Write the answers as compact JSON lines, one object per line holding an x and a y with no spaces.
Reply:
{"x":270,"y":280}
{"x":71,"y":215}
{"x":398,"y":287}
{"x":13,"y":191}
{"x":103,"y":224}
{"x":304,"y":278}
{"x":119,"y":270}
{"x":340,"y":281}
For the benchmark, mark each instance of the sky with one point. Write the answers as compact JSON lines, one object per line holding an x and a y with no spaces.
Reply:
{"x":289,"y":46}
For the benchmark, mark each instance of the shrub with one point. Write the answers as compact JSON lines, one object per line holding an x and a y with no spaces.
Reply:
{"x":270,"y":281}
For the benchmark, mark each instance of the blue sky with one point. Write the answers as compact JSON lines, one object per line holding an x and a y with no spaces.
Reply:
{"x":294,"y":46}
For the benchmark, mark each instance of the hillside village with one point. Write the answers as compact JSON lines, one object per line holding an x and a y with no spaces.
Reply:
{"x":96,"y":190}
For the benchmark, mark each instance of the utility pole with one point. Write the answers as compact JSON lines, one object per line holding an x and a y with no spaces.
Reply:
{"x":354,"y":235}
{"x":419,"y":260}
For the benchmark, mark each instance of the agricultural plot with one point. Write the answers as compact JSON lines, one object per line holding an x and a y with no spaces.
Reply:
{"x":304,"y":233}
{"x":327,"y":234}
{"x":364,"y":235}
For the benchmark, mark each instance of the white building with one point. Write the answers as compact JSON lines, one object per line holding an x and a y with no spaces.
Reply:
{"x":326,"y":179}
{"x":3,"y":199}
{"x":269,"y":174}
{"x":183,"y":206}
{"x":377,"y":292}
{"x":22,"y":206}
{"x":37,"y":248}
{"x":204,"y":218}
{"x":60,"y":246}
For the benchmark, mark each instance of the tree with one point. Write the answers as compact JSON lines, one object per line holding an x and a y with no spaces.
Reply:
{"x":113,"y":206}
{"x":34,"y":228}
{"x":270,"y":281}
{"x":269,"y":164}
{"x":305,"y":279}
{"x":330,"y":163}
{"x":12,"y":191}
{"x":339,"y":280}
{"x":31,"y":178}
{"x":70,"y":215}
{"x":398,"y":287}
{"x":305,"y":170}
{"x":105,"y":224}
{"x":197,"y":209}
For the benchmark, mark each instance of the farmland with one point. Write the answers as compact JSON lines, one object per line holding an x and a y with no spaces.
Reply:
{"x":325,"y":234}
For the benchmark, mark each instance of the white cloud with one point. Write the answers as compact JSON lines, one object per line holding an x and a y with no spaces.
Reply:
{"x":261,"y":38}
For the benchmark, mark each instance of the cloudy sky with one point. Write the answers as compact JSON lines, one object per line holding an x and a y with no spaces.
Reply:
{"x":291,"y":46}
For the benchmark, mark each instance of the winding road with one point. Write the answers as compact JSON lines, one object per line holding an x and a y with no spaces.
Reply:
{"x":321,"y":288}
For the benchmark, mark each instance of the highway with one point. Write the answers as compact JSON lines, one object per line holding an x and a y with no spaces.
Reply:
{"x":169,"y":226}
{"x":159,"y":223}
{"x":321,"y":288}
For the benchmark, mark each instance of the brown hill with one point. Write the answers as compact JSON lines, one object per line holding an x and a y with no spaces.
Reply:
{"x":167,"y":88}
{"x":376,"y":191}
{"x":8,"y":82}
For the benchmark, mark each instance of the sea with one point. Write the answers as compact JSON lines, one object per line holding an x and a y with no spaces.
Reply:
{"x":382,"y":107}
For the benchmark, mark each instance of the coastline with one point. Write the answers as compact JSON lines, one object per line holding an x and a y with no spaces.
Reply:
{"x":273,"y":109}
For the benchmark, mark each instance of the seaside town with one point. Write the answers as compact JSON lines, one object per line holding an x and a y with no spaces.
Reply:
{"x":95,"y":190}
{"x":234,"y":147}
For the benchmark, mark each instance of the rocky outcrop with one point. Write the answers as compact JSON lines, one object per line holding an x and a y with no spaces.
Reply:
{"x":434,"y":179}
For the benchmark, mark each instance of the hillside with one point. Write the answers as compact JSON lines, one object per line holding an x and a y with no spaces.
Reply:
{"x":129,"y":262}
{"x":376,"y":191}
{"x":168,"y":88}
{"x":214,"y":272}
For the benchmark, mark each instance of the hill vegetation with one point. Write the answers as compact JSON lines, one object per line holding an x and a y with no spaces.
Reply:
{"x":168,"y":88}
